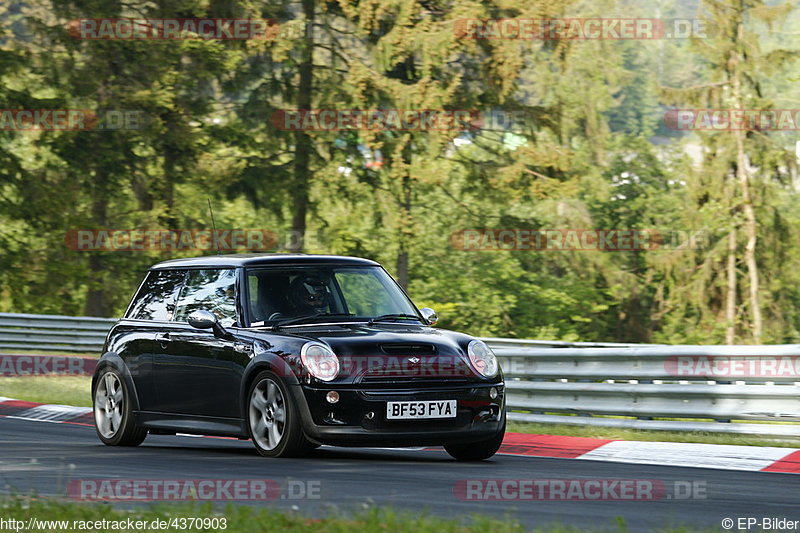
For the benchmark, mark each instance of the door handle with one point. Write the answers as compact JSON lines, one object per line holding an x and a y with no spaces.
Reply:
{"x":163,"y":339}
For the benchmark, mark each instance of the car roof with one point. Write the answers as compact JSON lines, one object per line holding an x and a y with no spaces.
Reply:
{"x":240,"y":260}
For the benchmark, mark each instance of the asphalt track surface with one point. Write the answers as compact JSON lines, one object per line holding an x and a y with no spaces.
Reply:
{"x":38,"y":455}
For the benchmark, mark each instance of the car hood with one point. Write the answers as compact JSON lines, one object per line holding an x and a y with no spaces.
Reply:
{"x":388,"y":352}
{"x":360,"y":339}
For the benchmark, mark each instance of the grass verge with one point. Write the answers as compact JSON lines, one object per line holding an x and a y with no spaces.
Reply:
{"x":648,"y":435}
{"x":66,"y":390}
{"x":9,"y":351}
{"x":246,"y":519}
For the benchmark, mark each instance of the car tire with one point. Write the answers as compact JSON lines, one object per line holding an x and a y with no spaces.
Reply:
{"x":478,"y":451}
{"x":273,"y":420}
{"x":113,"y":411}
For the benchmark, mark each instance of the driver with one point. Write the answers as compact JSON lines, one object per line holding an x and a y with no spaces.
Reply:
{"x":309,"y":295}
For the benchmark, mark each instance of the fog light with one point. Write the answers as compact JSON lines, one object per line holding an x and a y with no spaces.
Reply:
{"x":492,"y":393}
{"x":332,"y":397}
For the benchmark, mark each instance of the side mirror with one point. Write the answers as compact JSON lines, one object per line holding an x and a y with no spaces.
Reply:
{"x":429,"y":315}
{"x":202,"y":319}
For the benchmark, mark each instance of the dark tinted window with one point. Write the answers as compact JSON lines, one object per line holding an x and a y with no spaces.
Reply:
{"x":156,"y":299}
{"x":210,"y":290}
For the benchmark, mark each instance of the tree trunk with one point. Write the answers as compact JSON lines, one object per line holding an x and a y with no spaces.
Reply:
{"x":402,"y":266}
{"x":730,"y":304}
{"x":303,"y":146}
{"x":405,"y":223}
{"x":751,"y":228}
{"x":751,"y":224}
{"x":168,"y":193}
{"x":97,"y":303}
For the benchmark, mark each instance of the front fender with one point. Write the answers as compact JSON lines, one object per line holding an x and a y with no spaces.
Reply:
{"x":267,"y":361}
{"x":275,"y":363}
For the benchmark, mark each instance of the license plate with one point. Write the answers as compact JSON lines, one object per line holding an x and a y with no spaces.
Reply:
{"x":415,"y":410}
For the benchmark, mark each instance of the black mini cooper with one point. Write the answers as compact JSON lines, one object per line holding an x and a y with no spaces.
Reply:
{"x":293,"y":351}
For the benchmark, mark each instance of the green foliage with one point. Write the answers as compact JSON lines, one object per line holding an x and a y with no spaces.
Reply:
{"x":246,"y":518}
{"x":587,"y":148}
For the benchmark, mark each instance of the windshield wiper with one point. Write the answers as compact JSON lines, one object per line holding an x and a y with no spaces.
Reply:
{"x":301,"y":319}
{"x":392,"y":316}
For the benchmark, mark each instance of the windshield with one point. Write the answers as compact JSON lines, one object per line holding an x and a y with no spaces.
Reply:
{"x":282,"y":294}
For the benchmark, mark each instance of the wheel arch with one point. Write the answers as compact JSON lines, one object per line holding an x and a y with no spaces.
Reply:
{"x":113,"y":360}
{"x":270,"y":362}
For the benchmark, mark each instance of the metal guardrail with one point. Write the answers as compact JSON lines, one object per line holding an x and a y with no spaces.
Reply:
{"x":53,"y":333}
{"x":503,"y":343}
{"x":574,"y":383}
{"x":695,"y":388}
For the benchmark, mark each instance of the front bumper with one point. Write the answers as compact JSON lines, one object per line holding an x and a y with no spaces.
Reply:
{"x":359,"y":417}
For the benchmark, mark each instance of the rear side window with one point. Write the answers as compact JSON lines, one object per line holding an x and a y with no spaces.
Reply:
{"x":209,"y":290}
{"x":156,"y":298}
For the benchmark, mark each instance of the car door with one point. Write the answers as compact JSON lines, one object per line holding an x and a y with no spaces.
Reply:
{"x":197,"y":372}
{"x":149,"y":313}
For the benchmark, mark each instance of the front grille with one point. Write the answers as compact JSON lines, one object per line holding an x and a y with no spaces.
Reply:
{"x":414,"y":365}
{"x":451,"y":391}
{"x":378,"y":381}
{"x":436,"y":370}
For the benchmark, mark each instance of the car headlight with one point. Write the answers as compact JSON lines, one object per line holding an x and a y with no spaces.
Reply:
{"x":320,"y":361}
{"x":482,"y":358}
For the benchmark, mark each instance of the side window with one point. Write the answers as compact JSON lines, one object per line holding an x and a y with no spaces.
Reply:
{"x":156,"y":298}
{"x":210,"y":290}
{"x":253,"y":284}
{"x":255,"y":299}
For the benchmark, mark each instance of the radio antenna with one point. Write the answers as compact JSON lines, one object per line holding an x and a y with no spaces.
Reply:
{"x":213,"y":225}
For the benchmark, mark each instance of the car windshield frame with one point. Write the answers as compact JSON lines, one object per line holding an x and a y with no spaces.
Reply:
{"x":393,"y":291}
